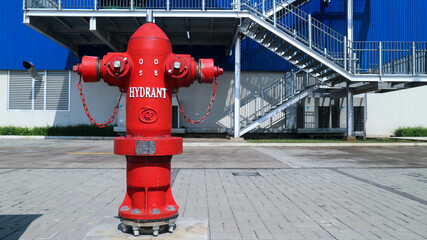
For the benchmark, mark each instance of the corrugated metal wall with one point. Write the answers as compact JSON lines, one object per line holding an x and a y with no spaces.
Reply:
{"x":396,"y":20}
{"x":374,"y":20}
{"x":19,"y":42}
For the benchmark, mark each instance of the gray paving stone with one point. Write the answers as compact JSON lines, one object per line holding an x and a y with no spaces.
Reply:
{"x":279,"y":204}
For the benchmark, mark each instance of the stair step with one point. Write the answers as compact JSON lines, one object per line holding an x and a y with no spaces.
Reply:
{"x":245,"y":25}
{"x":267,"y":38}
{"x":313,"y":64}
{"x":319,"y":69}
{"x":260,"y":34}
{"x":289,"y":51}
{"x":252,"y":29}
{"x":305,"y":60}
{"x":327,"y":73}
{"x":297,"y":56}
{"x":275,"y":43}
{"x":282,"y":47}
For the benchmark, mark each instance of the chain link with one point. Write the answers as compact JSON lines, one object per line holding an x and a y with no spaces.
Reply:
{"x":82,"y":97}
{"x":208,"y":110}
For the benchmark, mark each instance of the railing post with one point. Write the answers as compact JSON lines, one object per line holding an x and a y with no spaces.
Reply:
{"x":380,"y":57}
{"x":237,"y":5}
{"x":274,"y":11}
{"x":256,"y":104}
{"x":309,"y":30}
{"x":414,"y":71}
{"x":132,"y":5}
{"x":294,"y":80}
{"x":307,"y":80}
{"x":262,"y":101}
{"x":203,"y":5}
{"x":59,"y":4}
{"x":345,"y":53}
{"x":24,"y":4}
{"x":95,"y":4}
{"x":281,"y":90}
{"x":263,"y":7}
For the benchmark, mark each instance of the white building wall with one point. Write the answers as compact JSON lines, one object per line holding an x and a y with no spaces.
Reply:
{"x":100,"y":98}
{"x":385,"y":112}
{"x":389,"y":111}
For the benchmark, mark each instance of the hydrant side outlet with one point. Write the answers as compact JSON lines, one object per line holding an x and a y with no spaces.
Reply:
{"x":149,"y":73}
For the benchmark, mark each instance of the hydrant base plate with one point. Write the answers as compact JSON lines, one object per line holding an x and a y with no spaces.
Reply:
{"x":186,"y":229}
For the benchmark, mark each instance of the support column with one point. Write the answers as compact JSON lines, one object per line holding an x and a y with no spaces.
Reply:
{"x":237,"y":89}
{"x":350,"y":116}
{"x":348,"y":45}
{"x":350,"y":20}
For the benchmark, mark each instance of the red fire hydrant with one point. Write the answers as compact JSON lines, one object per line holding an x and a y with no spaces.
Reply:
{"x":149,"y":73}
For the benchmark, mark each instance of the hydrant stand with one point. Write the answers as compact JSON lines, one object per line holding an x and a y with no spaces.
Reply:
{"x":149,"y":73}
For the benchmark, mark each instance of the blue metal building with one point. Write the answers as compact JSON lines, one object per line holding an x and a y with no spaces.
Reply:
{"x":289,"y":50}
{"x":378,"y":20}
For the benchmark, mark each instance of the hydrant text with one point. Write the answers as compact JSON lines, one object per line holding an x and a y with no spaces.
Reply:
{"x":147,"y":92}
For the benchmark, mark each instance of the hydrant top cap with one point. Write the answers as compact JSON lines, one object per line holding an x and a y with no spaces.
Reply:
{"x":149,"y":30}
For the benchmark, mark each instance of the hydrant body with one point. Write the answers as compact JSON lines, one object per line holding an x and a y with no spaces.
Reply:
{"x":149,"y":73}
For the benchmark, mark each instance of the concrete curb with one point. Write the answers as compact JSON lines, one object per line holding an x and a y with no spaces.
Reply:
{"x":422,"y":139}
{"x":6,"y":137}
{"x":416,"y":142}
{"x":204,"y":144}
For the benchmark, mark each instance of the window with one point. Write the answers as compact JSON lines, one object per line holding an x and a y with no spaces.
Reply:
{"x":52,"y":93}
{"x":359,"y":118}
{"x":324,"y":113}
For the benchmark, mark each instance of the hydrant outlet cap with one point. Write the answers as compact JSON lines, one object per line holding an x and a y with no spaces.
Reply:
{"x":76,"y":68}
{"x":220,"y":71}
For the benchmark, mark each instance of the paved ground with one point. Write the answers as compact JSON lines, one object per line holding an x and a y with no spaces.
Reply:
{"x":61,"y":189}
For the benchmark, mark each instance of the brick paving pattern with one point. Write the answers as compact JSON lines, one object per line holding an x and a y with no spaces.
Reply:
{"x":277,"y":204}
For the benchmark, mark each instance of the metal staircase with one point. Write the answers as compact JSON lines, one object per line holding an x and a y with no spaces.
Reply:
{"x":278,"y":25}
{"x":272,"y":100}
{"x":327,"y":55}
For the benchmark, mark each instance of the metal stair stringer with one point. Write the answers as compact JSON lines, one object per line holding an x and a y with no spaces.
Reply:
{"x":292,"y":100}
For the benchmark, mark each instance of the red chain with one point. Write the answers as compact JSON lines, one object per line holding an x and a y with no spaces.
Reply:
{"x":208,"y":110}
{"x":100,"y":125}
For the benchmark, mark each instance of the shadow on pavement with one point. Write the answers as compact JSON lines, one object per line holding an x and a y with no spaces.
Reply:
{"x":13,"y":226}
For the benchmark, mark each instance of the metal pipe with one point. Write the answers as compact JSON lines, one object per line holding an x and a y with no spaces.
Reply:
{"x":237,"y":88}
{"x":59,"y":4}
{"x":413,"y":59}
{"x":350,"y":20}
{"x":168,"y":4}
{"x":380,"y":57}
{"x":32,"y":70}
{"x":95,"y":4}
{"x":350,"y":115}
{"x":309,"y":30}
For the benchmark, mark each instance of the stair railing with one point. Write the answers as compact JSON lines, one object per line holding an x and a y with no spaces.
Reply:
{"x":376,"y":58}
